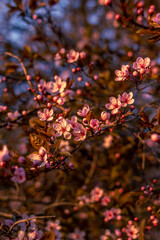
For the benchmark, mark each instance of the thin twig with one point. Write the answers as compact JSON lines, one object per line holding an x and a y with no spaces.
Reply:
{"x":23,"y":67}
{"x":28,"y":220}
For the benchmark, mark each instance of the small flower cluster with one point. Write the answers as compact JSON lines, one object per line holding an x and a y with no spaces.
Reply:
{"x":39,"y":160}
{"x":72,"y":56}
{"x":55,"y":227}
{"x":113,"y":213}
{"x":131,"y":231}
{"x":141,"y":68}
{"x":121,"y":101}
{"x":57,"y":89}
{"x":96,"y":195}
{"x":115,"y":236}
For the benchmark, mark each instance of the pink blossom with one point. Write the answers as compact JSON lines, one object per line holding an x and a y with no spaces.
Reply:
{"x":72,"y":122}
{"x":82,"y":55}
{"x":106,"y":235}
{"x":108,"y":141}
{"x":112,"y":213}
{"x":108,"y":215}
{"x":122,"y":74}
{"x":64,"y":146}
{"x":19,"y":175}
{"x":96,"y":194}
{"x":126,"y":99}
{"x":57,"y":86}
{"x":42,"y":86}
{"x":80,"y":132}
{"x":51,"y":226}
{"x":4,"y":154}
{"x":114,"y":104}
{"x":57,"y":56}
{"x":105,"y":117}
{"x":62,"y":128}
{"x":77,"y":235}
{"x":105,"y":200}
{"x":142,"y":65}
{"x":132,"y":231}
{"x":35,"y":235}
{"x":84,"y":111}
{"x":40,"y":159}
{"x":13,"y":116}
{"x":94,"y":123}
{"x":46,"y":115}
{"x":21,"y":235}
{"x":83,"y":200}
{"x":156,"y":19}
{"x":60,"y":101}
{"x":72,"y":56}
{"x":1,"y":108}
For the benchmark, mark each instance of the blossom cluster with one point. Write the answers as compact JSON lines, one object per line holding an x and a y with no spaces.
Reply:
{"x":72,"y":56}
{"x":141,"y":68}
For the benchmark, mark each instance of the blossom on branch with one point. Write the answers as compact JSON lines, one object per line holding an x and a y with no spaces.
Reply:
{"x":46,"y":115}
{"x":122,"y":74}
{"x":126,"y":99}
{"x":114,"y":105}
{"x":19,"y":175}
{"x":62,"y":128}
{"x":80,"y":132}
{"x":39,"y":160}
{"x":72,"y":56}
{"x":84,"y":111}
{"x":77,"y":235}
{"x":156,"y":19}
{"x":142,"y":65}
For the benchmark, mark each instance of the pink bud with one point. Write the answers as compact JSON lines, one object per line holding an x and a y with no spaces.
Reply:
{"x":28,"y":78}
{"x":149,"y":208}
{"x":49,"y":105}
{"x":42,"y":152}
{"x":135,"y":74}
{"x":24,"y":112}
{"x":118,"y":17}
{"x":154,"y":137}
{"x":39,"y":97}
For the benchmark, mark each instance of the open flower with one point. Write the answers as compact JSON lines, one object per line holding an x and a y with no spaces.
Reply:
{"x":77,"y":235}
{"x":84,"y":111}
{"x":40,"y":159}
{"x":96,"y":194}
{"x":114,"y":105}
{"x":94,"y":124}
{"x":57,"y":86}
{"x":105,"y":117}
{"x":80,"y":132}
{"x":122,"y":74}
{"x":126,"y":99}
{"x":62,"y":128}
{"x":131,"y":231}
{"x":19,"y":175}
{"x":46,"y":115}
{"x":156,"y":19}
{"x":142,"y":65}
{"x":72,"y":56}
{"x":72,"y":122}
{"x":13,"y":116}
